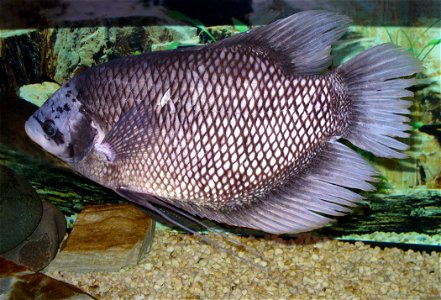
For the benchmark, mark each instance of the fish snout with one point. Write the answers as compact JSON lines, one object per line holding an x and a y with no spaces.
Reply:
{"x":30,"y":127}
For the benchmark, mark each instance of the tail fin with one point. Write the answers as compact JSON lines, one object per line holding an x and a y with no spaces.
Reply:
{"x":374,"y":89}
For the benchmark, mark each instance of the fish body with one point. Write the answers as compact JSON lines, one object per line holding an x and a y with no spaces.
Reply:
{"x":244,"y":131}
{"x":222,"y":137}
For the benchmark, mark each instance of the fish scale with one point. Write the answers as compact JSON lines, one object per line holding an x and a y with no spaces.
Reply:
{"x":245,"y":120}
{"x":245,"y":131}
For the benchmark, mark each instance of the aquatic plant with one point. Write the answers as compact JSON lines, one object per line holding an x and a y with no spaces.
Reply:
{"x":416,"y":125}
{"x":411,"y":44}
{"x":194,"y":22}
{"x":383,"y":185}
{"x":239,"y":25}
{"x":172,"y":45}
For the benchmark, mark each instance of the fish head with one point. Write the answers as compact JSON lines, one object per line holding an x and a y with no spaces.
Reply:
{"x":62,"y":126}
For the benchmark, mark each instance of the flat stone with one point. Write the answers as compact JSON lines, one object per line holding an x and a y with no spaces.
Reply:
{"x":106,"y":238}
{"x":17,"y":282}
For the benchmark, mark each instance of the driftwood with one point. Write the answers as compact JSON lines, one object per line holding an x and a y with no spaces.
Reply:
{"x":417,"y":211}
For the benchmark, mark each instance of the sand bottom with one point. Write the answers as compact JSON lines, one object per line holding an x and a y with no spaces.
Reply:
{"x":182,"y":266}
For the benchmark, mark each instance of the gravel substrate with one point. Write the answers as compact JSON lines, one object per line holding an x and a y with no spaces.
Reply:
{"x":182,"y":267}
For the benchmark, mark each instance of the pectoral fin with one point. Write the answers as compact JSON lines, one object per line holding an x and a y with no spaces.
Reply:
{"x":132,"y":135}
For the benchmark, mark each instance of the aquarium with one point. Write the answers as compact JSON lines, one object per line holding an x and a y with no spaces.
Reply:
{"x":79,"y":238}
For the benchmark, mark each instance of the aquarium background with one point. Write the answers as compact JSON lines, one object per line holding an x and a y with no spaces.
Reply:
{"x":45,"y":43}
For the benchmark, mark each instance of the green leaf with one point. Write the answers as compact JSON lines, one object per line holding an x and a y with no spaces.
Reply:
{"x":432,"y":43}
{"x":389,"y":36}
{"x":195,"y":22}
{"x":239,"y":26}
{"x":416,"y":125}
{"x":432,"y":25}
{"x":173,"y":45}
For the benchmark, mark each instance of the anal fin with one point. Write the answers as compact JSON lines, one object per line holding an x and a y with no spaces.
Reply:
{"x":311,"y":200}
{"x":176,"y":216}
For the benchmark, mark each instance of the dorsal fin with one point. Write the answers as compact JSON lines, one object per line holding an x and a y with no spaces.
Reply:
{"x":301,"y":41}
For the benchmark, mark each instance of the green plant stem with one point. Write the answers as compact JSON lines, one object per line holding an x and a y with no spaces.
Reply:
{"x":432,"y":43}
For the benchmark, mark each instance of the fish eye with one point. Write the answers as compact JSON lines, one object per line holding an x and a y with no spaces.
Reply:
{"x":49,"y":128}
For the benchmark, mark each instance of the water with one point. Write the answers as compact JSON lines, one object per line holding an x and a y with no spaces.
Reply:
{"x":53,"y":41}
{"x":45,"y":43}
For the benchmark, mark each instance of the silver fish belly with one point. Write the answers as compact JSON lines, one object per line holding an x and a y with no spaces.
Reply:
{"x":244,"y":131}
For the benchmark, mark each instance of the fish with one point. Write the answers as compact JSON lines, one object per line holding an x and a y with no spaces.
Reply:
{"x":252,"y":131}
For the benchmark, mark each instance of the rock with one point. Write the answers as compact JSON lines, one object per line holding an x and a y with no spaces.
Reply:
{"x":20,"y":209}
{"x":127,"y":40}
{"x":16,"y":282}
{"x":38,"y":93}
{"x":160,"y":37}
{"x":106,"y":238}
{"x":30,"y":56}
{"x":38,"y":249}
{"x":77,"y":49}
{"x":30,"y":229}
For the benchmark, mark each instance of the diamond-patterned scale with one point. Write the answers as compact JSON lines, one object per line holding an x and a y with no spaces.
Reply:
{"x":231,"y":124}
